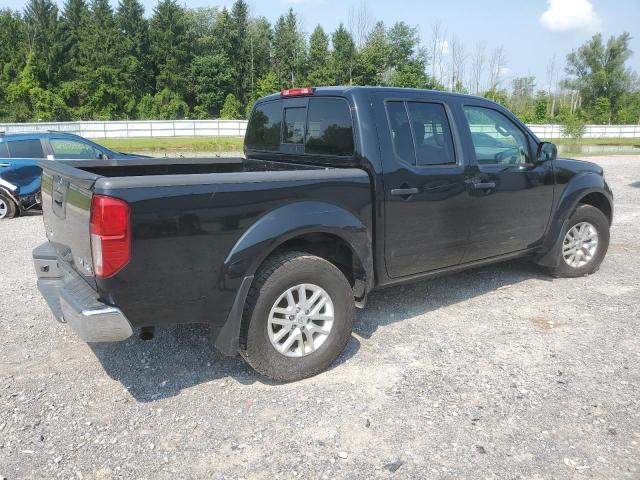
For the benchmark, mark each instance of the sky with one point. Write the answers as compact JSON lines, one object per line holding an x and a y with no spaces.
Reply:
{"x":532,"y":31}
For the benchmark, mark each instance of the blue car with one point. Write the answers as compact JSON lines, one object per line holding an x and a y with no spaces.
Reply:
{"x":19,"y":171}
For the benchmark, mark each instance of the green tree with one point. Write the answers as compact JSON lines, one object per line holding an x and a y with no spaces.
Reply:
{"x":75,"y":28}
{"x":134,"y":60}
{"x":241,"y":48}
{"x":371,"y":62}
{"x":541,"y":109}
{"x":210,"y":78}
{"x":231,"y":108}
{"x":265,"y":86}
{"x":31,"y":101}
{"x":288,"y":51}
{"x":498,"y":96}
{"x":319,"y":70}
{"x":600,"y":112}
{"x":598,"y":71}
{"x":165,"y":104}
{"x":44,"y":35}
{"x":12,"y":58}
{"x":343,"y":56}
{"x":411,"y":74}
{"x":572,"y":126}
{"x":170,"y":46}
{"x":404,"y":43}
{"x":629,"y":113}
{"x":521,"y":100}
{"x":260,"y":38}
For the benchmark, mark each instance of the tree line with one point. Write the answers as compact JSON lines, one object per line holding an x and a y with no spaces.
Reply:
{"x":87,"y":61}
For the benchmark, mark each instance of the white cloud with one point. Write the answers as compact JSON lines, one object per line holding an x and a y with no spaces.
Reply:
{"x":563,"y":15}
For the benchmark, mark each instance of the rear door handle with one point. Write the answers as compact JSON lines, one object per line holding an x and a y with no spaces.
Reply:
{"x":5,"y":164}
{"x":483,"y":185}
{"x":404,"y":192}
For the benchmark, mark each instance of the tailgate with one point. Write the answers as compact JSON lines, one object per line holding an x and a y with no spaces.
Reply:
{"x":66,"y":207}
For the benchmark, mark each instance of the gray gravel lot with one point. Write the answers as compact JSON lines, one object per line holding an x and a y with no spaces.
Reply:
{"x":500,"y":372}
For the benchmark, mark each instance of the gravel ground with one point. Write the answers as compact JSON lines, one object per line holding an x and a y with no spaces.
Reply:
{"x":500,"y":372}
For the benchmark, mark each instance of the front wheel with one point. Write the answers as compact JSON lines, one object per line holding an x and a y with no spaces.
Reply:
{"x":584,"y":244}
{"x":8,"y":208}
{"x":298,"y":317}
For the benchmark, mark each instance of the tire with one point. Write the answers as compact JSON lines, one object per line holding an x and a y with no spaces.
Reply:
{"x":590,"y":216}
{"x":8,"y":208}
{"x":284,"y":273}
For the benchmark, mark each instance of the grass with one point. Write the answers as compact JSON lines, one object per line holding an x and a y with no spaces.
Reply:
{"x":183,"y":144}
{"x":234,"y":144}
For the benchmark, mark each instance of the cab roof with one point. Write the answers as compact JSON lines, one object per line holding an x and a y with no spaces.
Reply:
{"x":348,"y":90}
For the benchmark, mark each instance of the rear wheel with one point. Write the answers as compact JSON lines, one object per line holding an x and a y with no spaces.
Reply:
{"x":298,"y":317}
{"x":8,"y":207}
{"x":584,"y":244}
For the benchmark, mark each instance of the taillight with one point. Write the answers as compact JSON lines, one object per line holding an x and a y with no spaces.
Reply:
{"x":297,"y":92}
{"x":110,"y":235}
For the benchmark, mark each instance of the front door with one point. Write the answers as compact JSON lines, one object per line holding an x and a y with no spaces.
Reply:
{"x":426,"y":204}
{"x":512,"y":192}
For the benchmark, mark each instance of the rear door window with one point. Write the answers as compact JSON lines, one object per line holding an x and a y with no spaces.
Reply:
{"x":73,"y":149}
{"x":25,"y":149}
{"x":330,"y":127}
{"x":4,"y":150}
{"x":264,"y":129}
{"x":432,"y":134}
{"x":401,"y":132}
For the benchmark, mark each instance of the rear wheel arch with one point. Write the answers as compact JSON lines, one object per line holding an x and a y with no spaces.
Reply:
{"x":333,"y":248}
{"x":327,"y":246}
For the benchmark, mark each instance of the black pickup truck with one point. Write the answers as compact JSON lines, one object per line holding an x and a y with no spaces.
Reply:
{"x":341,"y":191}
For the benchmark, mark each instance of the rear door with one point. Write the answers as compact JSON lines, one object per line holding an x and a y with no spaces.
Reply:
{"x":426,"y":203}
{"x":19,"y":169}
{"x":512,"y":193}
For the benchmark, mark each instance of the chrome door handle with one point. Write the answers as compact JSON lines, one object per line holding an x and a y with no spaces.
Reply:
{"x":403,"y":192}
{"x":5,"y":164}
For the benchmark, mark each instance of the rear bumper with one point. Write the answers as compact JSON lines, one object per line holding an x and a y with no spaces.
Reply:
{"x":73,"y":301}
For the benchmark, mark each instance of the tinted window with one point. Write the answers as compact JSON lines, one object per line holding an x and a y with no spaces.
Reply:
{"x":401,"y":132}
{"x":263,"y":131}
{"x":496,"y":139}
{"x":294,"y":120}
{"x":26,"y":149}
{"x":432,"y":134}
{"x":330,"y":129}
{"x":72,"y":149}
{"x":4,"y":150}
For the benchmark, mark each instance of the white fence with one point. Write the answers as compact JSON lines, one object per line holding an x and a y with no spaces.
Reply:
{"x":590,"y":131}
{"x":236,"y":128}
{"x":138,"y":128}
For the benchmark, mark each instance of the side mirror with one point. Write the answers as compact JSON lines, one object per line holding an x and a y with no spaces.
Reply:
{"x":547,"y":151}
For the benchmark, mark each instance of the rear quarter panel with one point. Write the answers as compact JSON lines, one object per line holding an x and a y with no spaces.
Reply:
{"x":185,"y":235}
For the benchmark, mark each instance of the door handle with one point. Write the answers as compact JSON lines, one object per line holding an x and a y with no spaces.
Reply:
{"x":5,"y":164}
{"x":404,"y":192}
{"x":483,"y":185}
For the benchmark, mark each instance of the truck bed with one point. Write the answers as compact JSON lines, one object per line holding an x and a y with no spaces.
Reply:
{"x":188,"y":217}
